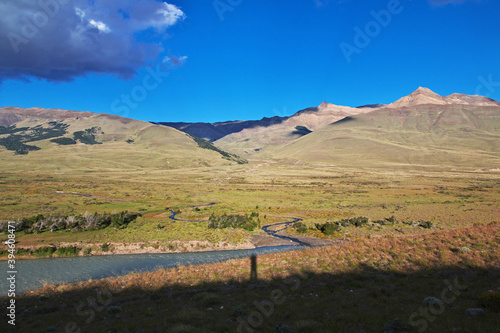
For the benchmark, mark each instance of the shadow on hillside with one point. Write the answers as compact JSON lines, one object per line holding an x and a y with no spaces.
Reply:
{"x":367,"y":299}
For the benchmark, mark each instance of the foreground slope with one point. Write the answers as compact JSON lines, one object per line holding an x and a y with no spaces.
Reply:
{"x":425,"y":134}
{"x":58,"y":140}
{"x":365,"y":285}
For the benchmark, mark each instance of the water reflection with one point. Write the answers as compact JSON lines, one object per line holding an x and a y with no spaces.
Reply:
{"x":34,"y":272}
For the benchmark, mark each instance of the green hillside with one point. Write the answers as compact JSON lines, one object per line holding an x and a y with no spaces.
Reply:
{"x":43,"y":142}
{"x":448,"y":136}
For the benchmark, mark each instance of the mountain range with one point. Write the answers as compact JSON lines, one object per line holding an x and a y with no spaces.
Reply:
{"x":421,"y":129}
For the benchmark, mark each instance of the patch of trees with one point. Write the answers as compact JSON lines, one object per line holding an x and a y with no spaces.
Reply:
{"x":64,"y":141}
{"x":205,"y":144}
{"x":39,"y":223}
{"x":15,"y":143}
{"x":88,"y":136}
{"x":18,"y":137}
{"x":247,"y":222}
{"x":12,"y":129}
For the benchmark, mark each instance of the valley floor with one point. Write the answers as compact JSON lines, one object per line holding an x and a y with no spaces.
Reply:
{"x":276,"y":192}
{"x":369,"y":277}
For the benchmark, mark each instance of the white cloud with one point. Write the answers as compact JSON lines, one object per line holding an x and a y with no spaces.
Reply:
{"x":171,"y":14}
{"x":99,"y":25}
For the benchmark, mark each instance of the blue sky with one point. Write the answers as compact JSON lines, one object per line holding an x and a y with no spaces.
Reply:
{"x":240,"y":59}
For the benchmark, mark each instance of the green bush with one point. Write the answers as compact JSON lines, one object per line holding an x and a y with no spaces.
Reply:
{"x":247,"y":222}
{"x":67,"y":251}
{"x":426,"y":224}
{"x":44,"y":252}
{"x":328,"y":228}
{"x":23,"y":252}
{"x":355,"y":221}
{"x":300,"y":227}
{"x":387,"y":221}
{"x":39,"y":223}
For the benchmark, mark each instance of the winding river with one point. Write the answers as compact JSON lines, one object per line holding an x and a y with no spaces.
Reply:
{"x":33,"y":273}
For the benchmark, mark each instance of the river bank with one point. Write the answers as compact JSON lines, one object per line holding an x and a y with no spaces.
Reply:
{"x":383,"y":281}
{"x":119,"y":248}
{"x":270,"y":236}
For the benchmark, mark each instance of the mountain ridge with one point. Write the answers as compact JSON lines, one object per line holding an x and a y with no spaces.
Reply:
{"x":226,"y":133}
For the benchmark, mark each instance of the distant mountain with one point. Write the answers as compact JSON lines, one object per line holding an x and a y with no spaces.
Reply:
{"x":252,"y":136}
{"x":423,"y":96}
{"x":258,"y":140}
{"x":215,"y":131}
{"x":255,"y":139}
{"x":56,"y":139}
{"x":421,"y":128}
{"x":439,"y":135}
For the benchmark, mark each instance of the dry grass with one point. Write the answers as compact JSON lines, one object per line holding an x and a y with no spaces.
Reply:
{"x":356,"y":287}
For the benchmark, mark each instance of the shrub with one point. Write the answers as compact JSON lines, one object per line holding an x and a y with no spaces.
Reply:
{"x":387,"y":221}
{"x":300,"y":227}
{"x":45,"y":251}
{"x":23,"y":252}
{"x":234,"y":221}
{"x":67,"y":251}
{"x":426,"y":224}
{"x":328,"y":228}
{"x":39,"y":223}
{"x":355,"y":221}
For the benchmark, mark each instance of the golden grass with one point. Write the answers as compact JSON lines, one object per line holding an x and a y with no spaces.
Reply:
{"x":356,"y":287}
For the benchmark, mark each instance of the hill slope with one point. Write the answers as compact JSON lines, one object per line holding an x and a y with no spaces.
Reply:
{"x":251,"y":140}
{"x":260,"y":137}
{"x":31,"y":139}
{"x":445,"y":135}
